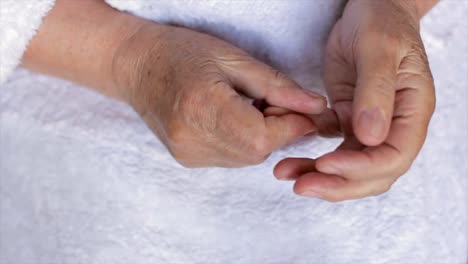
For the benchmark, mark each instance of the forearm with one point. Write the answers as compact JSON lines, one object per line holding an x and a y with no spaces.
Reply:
{"x":77,"y":41}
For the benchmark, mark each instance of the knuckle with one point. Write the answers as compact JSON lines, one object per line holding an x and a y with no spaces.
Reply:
{"x":257,"y":151}
{"x":280,"y":79}
{"x":261,"y":148}
{"x":279,"y":76}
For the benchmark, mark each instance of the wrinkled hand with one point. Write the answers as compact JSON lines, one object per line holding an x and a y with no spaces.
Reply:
{"x":187,"y":86}
{"x":379,"y":82}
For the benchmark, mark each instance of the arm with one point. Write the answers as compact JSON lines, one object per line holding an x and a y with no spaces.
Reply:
{"x":77,"y":41}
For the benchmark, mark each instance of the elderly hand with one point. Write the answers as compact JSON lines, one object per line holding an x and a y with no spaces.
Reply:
{"x":187,"y":86}
{"x":380,"y":86}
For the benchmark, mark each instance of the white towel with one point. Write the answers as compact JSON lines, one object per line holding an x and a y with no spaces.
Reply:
{"x":19,"y":21}
{"x":84,"y":181}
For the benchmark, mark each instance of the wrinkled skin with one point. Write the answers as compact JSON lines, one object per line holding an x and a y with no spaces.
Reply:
{"x":379,"y":83}
{"x":188,"y":88}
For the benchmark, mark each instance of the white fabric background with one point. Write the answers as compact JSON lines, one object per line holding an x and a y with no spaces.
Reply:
{"x":82,"y":180}
{"x":19,"y":20}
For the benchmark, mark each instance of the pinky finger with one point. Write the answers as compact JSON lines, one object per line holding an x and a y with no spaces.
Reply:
{"x":336,"y":189}
{"x":293,"y":168}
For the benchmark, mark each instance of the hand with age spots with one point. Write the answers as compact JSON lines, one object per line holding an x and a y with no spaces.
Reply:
{"x":380,"y":86}
{"x":189,"y":88}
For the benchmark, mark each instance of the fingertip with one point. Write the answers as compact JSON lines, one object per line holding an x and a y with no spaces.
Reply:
{"x":293,"y":168}
{"x":317,"y":185}
{"x":371,"y":126}
{"x":281,"y":170}
{"x":316,"y":104}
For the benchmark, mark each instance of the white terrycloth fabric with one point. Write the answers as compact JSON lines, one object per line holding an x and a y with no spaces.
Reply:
{"x":19,"y":20}
{"x":82,"y":180}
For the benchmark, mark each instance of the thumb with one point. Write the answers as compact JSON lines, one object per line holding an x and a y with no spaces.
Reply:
{"x":375,"y":91}
{"x":260,"y":81}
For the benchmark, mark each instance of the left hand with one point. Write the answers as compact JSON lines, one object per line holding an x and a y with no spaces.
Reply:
{"x":379,"y":82}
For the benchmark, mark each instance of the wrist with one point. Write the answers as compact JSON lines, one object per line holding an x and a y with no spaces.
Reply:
{"x":137,"y":57}
{"x":120,"y":28}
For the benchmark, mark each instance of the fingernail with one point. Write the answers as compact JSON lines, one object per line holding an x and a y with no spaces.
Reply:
{"x":318,"y":104}
{"x":373,"y":121}
{"x":310,"y":193}
{"x":314,"y":94}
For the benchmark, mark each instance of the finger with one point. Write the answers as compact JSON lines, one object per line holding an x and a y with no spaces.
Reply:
{"x":293,"y":168}
{"x":283,"y":130}
{"x":327,"y":123}
{"x":248,"y":135}
{"x":377,"y":61}
{"x":232,"y":125}
{"x":334,"y":188}
{"x":370,"y":163}
{"x":276,"y":111}
{"x":260,"y":81}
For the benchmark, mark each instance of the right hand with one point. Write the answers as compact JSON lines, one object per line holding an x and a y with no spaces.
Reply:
{"x":187,"y":86}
